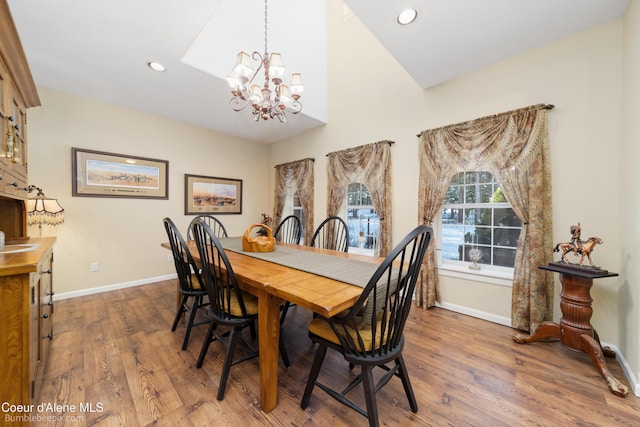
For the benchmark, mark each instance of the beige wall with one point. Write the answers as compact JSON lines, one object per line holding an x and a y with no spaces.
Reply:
{"x":372,"y":98}
{"x":629,"y":296}
{"x":124,"y":235}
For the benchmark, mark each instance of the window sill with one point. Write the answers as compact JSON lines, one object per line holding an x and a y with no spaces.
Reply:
{"x":361,"y":251}
{"x":485,"y":274}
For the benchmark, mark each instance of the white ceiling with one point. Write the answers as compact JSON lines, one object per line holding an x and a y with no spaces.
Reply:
{"x":98,"y":49}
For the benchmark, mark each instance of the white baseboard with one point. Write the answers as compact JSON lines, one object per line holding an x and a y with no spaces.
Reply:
{"x":108,"y":288}
{"x":635,"y":385}
{"x":475,"y":313}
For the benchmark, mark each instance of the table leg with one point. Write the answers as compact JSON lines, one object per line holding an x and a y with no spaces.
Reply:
{"x":544,"y":331}
{"x":594,"y":350}
{"x":269,"y":338}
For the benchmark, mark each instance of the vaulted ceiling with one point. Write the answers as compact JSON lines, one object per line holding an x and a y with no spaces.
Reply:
{"x":99,"y":49}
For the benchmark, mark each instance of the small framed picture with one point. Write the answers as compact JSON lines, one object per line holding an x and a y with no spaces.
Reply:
{"x":209,"y":194}
{"x":101,"y":174}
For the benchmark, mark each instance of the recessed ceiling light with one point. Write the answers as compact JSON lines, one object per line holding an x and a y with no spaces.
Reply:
{"x":156,"y":66}
{"x":407,"y":16}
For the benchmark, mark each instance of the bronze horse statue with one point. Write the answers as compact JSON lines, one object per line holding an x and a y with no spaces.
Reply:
{"x":584,"y":248}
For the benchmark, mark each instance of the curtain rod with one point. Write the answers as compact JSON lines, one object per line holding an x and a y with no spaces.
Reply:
{"x":295,"y":161}
{"x":373,"y":143}
{"x":493,"y":116}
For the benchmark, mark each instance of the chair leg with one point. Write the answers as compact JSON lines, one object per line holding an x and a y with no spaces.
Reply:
{"x":192,"y":317}
{"x":404,"y":376}
{"x":228,"y":361}
{"x":283,"y":351}
{"x":252,"y":329}
{"x":205,"y":344}
{"x":321,"y":352}
{"x":370,"y":395}
{"x":179,"y":313}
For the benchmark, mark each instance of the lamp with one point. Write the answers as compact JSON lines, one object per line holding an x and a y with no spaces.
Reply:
{"x":265,"y":102}
{"x":43,"y":212}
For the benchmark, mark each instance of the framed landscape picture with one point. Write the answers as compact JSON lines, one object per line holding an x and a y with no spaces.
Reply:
{"x":101,"y":174}
{"x":209,"y":194}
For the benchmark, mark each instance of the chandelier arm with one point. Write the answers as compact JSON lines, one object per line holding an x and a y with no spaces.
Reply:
{"x":237,"y":104}
{"x":256,"y":56}
{"x":294,"y":108}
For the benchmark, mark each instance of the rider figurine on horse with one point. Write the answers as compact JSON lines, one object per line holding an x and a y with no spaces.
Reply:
{"x":577,"y":246}
{"x":575,"y":237}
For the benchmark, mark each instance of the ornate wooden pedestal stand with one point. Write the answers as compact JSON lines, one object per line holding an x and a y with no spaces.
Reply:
{"x":574,"y":330}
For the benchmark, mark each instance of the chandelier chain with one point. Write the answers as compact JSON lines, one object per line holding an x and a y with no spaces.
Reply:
{"x":266,"y":51}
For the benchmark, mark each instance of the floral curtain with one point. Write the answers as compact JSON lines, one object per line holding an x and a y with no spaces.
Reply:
{"x":514,"y":147}
{"x":295,"y":176}
{"x":369,"y":165}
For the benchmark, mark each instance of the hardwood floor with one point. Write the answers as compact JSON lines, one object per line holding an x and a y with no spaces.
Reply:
{"x":115,"y":352}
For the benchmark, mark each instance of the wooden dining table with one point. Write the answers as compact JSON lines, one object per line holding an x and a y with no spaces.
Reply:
{"x":274,"y":283}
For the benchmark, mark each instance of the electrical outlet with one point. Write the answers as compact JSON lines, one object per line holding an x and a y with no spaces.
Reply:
{"x":95,"y":266}
{"x":169,"y":257}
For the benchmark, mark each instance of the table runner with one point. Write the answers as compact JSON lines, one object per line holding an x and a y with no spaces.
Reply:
{"x":351,"y":271}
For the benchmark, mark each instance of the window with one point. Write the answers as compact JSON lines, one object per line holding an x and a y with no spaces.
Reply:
{"x":362,"y":218}
{"x":296,"y":209}
{"x":475,"y":214}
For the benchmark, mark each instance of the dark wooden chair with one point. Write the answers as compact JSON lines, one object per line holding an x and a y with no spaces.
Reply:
{"x":289,"y":230}
{"x":229,"y":307}
{"x":191,"y":286}
{"x":214,"y":223}
{"x":332,"y":233}
{"x":370,"y":334}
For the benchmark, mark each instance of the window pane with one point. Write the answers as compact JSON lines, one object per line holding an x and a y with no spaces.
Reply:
{"x":365,"y":198}
{"x":483,"y":236}
{"x":498,"y":196}
{"x":504,"y":257}
{"x":486,"y":255}
{"x":483,"y":216}
{"x":486,"y":193}
{"x":485,"y":176}
{"x":470,"y":177}
{"x":506,"y":217}
{"x":470,"y":193}
{"x":454,"y":195}
{"x":452,"y":216}
{"x":452,"y":240}
{"x":506,"y":236}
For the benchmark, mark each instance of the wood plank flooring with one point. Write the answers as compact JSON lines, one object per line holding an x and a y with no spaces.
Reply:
{"x":115,"y":362}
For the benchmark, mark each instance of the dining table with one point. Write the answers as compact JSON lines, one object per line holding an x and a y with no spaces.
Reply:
{"x":324,"y":281}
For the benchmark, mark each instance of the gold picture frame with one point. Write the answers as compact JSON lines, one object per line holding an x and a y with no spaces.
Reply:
{"x":102,"y":174}
{"x":212,"y":195}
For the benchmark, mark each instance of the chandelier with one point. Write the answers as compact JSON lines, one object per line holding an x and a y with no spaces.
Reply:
{"x":266,"y":103}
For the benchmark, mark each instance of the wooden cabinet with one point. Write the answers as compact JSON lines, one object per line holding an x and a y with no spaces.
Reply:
{"x":17,"y":94}
{"x":26,"y":290}
{"x":26,"y":316}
